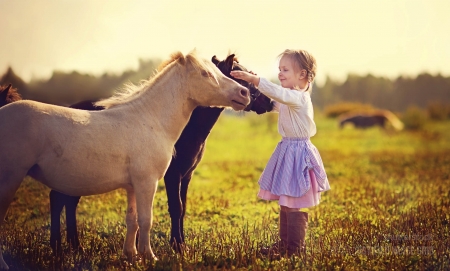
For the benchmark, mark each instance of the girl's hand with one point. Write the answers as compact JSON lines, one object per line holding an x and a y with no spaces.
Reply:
{"x":246,"y":76}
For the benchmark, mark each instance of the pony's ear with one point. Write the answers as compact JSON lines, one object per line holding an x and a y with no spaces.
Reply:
{"x":215,"y":60}
{"x":4,"y":93}
{"x":228,"y":64}
{"x":229,"y":60}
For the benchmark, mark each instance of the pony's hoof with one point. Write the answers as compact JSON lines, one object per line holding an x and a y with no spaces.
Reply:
{"x":181,"y":249}
{"x":177,"y":247}
{"x":75,"y":245}
{"x":80,"y":249}
{"x":71,"y":249}
{"x":132,"y":259}
{"x":131,"y":256}
{"x":150,"y":256}
{"x":55,"y":244}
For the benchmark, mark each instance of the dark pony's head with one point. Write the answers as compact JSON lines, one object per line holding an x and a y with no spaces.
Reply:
{"x":259,"y":103}
{"x":8,"y":95}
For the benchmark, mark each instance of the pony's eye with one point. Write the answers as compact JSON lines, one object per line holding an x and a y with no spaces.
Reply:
{"x":206,"y":74}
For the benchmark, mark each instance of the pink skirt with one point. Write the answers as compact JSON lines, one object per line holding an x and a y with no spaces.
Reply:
{"x":309,"y":199}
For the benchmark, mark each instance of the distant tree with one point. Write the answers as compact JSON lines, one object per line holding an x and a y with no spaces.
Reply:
{"x":322,"y":96}
{"x":396,"y":95}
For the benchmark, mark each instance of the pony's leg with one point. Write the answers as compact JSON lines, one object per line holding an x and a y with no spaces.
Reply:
{"x":56,"y":206}
{"x":9,"y":184}
{"x":129,"y":246}
{"x":172,"y":180}
{"x":145,"y":195}
{"x":183,"y":195}
{"x":71,"y":203}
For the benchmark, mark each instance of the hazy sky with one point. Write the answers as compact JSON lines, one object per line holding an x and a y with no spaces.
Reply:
{"x":383,"y":37}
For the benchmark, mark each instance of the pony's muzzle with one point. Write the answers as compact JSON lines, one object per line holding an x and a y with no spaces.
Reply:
{"x":244,"y":92}
{"x":240,"y":99}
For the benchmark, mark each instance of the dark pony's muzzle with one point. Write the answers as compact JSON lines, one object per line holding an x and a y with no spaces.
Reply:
{"x":254,"y":94}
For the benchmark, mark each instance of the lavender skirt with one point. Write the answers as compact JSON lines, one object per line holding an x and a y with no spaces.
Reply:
{"x":294,"y":175}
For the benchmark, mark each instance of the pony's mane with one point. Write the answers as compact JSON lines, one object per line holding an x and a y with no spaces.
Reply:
{"x":173,"y":57}
{"x":131,"y":91}
{"x":12,"y":95}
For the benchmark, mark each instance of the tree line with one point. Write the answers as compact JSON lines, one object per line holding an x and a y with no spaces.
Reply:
{"x":65,"y":88}
{"x":395,"y":95}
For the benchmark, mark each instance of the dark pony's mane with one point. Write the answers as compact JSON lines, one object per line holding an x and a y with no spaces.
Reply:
{"x":131,"y":91}
{"x":8,"y":95}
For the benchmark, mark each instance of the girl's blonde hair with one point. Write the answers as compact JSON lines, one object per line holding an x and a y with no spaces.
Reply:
{"x":302,"y":60}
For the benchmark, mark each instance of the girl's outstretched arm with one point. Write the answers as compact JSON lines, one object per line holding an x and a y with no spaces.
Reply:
{"x":246,"y":76}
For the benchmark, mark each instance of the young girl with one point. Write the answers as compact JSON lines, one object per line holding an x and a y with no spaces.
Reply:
{"x":295,"y":174}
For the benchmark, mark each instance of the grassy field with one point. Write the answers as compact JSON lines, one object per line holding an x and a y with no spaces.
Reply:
{"x":388,"y":209}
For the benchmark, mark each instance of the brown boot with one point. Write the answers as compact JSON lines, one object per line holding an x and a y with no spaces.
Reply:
{"x":283,"y":231}
{"x":297,"y":226}
{"x":279,"y":247}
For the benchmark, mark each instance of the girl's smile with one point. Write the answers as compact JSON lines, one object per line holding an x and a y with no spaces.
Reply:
{"x":289,"y":76}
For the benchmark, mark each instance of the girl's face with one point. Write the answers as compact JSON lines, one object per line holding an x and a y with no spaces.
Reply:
{"x":288,"y":76}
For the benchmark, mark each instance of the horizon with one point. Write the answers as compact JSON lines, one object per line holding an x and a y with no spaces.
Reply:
{"x":384,"y":38}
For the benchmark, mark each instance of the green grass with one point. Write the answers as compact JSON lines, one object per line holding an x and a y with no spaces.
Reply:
{"x":388,"y":208}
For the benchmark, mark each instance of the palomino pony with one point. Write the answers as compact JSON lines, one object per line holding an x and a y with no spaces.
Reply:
{"x":91,"y":152}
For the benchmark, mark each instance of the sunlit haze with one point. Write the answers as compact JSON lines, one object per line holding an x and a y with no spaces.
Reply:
{"x":385,"y":37}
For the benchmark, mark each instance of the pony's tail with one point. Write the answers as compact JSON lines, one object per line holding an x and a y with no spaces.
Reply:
{"x":392,"y":118}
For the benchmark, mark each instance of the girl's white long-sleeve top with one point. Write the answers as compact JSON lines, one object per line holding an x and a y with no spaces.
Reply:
{"x":296,"y":114}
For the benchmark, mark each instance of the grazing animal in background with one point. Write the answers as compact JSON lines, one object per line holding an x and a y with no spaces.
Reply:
{"x":365,"y":120}
{"x":81,"y":152}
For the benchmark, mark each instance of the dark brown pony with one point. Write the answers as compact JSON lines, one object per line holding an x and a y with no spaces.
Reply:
{"x":379,"y":118}
{"x":191,"y":146}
